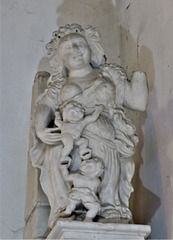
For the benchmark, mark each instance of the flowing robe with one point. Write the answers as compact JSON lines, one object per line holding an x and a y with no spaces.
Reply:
{"x":109,"y":139}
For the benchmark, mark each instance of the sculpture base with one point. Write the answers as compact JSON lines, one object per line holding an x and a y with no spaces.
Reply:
{"x":76,"y":230}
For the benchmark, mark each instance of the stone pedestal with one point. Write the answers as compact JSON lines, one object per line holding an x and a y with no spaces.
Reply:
{"x":75,"y":230}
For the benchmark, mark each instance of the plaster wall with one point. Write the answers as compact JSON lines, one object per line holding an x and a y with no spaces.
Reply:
{"x":26,"y":27}
{"x":146,"y":44}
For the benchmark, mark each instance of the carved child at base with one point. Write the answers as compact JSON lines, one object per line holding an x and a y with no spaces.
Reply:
{"x":86,"y":184}
{"x":71,"y":128}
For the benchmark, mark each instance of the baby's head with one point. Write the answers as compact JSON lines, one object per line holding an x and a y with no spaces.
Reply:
{"x":93,"y":167}
{"x":73,"y":111}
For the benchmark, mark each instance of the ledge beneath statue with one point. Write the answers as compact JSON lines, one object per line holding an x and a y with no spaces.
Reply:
{"x":68,"y":230}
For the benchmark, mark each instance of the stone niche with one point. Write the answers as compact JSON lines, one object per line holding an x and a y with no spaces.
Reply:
{"x":37,"y":208}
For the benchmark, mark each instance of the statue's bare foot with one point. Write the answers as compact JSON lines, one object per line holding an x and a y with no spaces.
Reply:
{"x":110,"y":212}
{"x":87,"y":219}
{"x":65,"y":214}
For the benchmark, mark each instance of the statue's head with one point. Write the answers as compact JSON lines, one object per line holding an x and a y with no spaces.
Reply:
{"x":74,"y":51}
{"x":92,"y":167}
{"x":72,"y":111}
{"x":75,"y":37}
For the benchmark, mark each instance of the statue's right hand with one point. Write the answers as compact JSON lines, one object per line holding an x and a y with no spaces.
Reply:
{"x":49,"y":136}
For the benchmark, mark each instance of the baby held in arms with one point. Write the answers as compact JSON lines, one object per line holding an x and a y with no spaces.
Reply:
{"x":73,"y":123}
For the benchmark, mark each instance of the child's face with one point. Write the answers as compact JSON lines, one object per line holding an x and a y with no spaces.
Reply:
{"x":73,"y":114}
{"x":91,"y":167}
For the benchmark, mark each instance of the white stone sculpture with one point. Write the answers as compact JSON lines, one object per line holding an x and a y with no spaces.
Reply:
{"x":86,"y":184}
{"x":80,"y":75}
{"x":72,"y":127}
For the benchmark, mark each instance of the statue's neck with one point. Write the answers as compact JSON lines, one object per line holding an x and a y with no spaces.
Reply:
{"x":81,"y":72}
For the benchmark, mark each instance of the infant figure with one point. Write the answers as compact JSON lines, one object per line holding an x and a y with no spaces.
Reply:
{"x":72,"y":126}
{"x":86,"y":184}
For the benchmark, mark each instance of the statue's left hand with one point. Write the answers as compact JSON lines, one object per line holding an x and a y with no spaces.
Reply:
{"x":49,"y":136}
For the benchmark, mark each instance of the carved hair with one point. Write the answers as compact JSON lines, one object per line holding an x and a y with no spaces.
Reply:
{"x":89,"y":33}
{"x":68,"y":105}
{"x":99,"y":165}
{"x":73,"y":104}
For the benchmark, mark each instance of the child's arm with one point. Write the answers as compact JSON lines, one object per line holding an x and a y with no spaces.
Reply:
{"x":67,"y":177}
{"x":93,"y":117}
{"x":98,"y":186}
{"x":58,"y":121}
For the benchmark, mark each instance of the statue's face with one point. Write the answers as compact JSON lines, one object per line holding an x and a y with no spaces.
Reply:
{"x":73,"y":114}
{"x":74,"y":51}
{"x":91,"y":167}
{"x":87,"y":167}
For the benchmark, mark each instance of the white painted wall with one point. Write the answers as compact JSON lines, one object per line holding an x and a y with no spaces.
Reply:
{"x":147,"y":45}
{"x":27,"y":26}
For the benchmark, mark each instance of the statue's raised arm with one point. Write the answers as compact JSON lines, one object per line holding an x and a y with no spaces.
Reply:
{"x":133,"y":93}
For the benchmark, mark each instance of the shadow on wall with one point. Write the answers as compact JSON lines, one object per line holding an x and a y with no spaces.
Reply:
{"x":87,"y":12}
{"x":144,"y":203}
{"x":159,"y":134}
{"x":94,"y":13}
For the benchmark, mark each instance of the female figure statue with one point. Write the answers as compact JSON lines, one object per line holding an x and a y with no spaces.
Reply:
{"x":81,"y":75}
